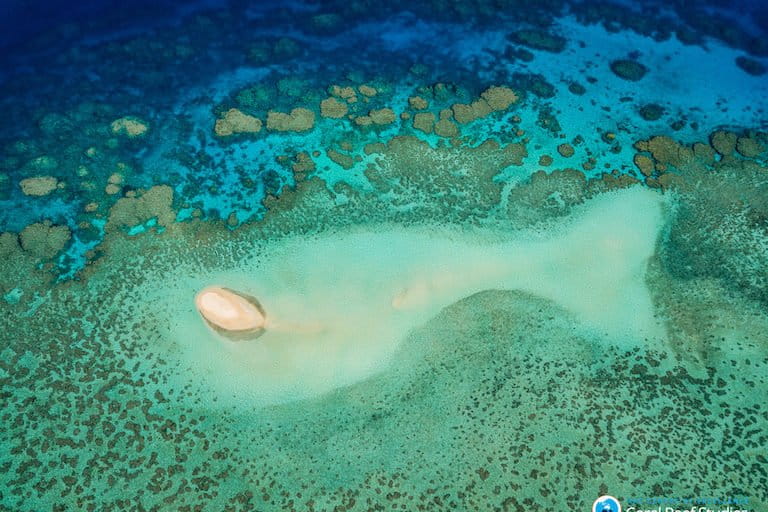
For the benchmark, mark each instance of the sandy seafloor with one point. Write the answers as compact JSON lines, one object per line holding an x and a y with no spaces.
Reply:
{"x":569,"y":199}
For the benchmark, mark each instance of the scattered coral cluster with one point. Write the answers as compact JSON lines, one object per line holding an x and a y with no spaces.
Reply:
{"x":502,"y":420}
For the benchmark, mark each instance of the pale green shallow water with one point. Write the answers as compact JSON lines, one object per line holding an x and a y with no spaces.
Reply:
{"x":561,"y":365}
{"x":336,"y":294}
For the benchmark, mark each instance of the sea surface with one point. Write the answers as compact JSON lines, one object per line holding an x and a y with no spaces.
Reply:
{"x":513,"y":255}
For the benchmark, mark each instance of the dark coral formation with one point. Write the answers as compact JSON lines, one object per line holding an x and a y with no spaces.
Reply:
{"x":751,"y":66}
{"x":651,"y":111}
{"x":539,"y":40}
{"x":628,"y":69}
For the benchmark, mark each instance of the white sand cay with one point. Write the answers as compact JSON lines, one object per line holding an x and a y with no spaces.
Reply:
{"x":337,"y":307}
{"x":230,"y":313}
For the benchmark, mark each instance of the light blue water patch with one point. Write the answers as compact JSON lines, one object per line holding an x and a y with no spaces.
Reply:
{"x":142,"y":228}
{"x":74,"y":259}
{"x":13,"y":296}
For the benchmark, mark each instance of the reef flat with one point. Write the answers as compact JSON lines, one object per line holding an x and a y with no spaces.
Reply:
{"x":524,"y":262}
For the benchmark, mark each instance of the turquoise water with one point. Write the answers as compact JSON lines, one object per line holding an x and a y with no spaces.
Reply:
{"x":515,"y":256}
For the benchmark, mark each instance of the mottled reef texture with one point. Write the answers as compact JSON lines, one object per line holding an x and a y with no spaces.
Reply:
{"x":479,"y":410}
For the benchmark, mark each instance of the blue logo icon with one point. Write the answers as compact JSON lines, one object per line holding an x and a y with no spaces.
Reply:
{"x":606,"y":504}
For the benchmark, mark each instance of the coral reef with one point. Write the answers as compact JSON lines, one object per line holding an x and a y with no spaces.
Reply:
{"x":43,"y":239}
{"x":492,"y":99}
{"x":298,"y":120}
{"x":236,"y":121}
{"x":539,"y":40}
{"x":628,"y":69}
{"x":39,"y":185}
{"x":131,"y":127}
{"x":751,"y":66}
{"x":333,"y":108}
{"x":132,"y":211}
